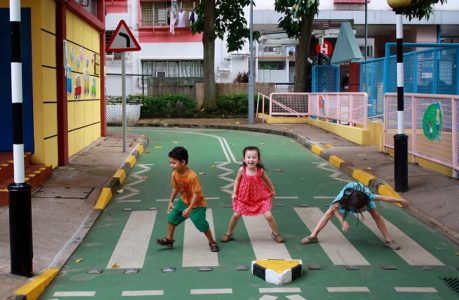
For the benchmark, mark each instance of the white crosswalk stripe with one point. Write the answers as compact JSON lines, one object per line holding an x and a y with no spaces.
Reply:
{"x":413,"y":253}
{"x":260,"y":237}
{"x":196,"y":251}
{"x":134,"y":239}
{"x":336,"y":246}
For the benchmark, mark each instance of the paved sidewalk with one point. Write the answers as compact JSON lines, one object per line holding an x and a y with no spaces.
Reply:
{"x":60,"y":222}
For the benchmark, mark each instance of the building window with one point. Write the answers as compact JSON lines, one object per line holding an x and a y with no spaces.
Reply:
{"x":271,"y":65}
{"x":155,"y":13}
{"x":89,"y":5}
{"x":173,"y":68}
{"x":111,"y":55}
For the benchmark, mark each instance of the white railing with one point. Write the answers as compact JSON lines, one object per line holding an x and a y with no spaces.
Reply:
{"x":431,"y":123}
{"x":345,"y":108}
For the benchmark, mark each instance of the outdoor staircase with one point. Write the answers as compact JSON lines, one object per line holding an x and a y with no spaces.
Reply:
{"x":35,"y":174}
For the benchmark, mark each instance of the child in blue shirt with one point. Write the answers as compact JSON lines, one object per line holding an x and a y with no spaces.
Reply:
{"x":356,"y":198}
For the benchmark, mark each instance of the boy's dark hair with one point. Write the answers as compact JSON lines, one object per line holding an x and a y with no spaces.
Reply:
{"x":252,"y":148}
{"x":354,"y":200}
{"x":179,"y":153}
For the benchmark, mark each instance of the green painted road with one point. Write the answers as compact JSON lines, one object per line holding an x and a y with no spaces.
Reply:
{"x":120,"y":259}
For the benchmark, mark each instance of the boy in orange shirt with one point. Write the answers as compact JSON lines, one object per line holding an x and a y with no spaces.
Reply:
{"x":192,"y":203}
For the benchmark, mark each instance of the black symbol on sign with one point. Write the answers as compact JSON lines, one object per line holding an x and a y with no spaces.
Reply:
{"x":128,"y":40}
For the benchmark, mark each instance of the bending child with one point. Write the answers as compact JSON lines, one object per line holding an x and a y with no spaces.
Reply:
{"x":355,"y":198}
{"x":252,"y":194}
{"x":192,"y":203}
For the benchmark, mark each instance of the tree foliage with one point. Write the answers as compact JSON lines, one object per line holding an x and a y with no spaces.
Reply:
{"x":295,"y":11}
{"x":421,"y":8}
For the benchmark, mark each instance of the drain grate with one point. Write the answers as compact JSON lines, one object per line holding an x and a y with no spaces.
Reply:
{"x":452,"y":283}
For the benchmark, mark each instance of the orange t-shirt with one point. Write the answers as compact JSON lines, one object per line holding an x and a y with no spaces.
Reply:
{"x":187,"y":184}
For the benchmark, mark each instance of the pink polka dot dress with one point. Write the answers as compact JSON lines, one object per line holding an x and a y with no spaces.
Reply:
{"x":253,"y":197}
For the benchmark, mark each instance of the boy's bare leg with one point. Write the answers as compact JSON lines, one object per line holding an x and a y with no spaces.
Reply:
{"x":209,"y":236}
{"x":170,"y":231}
{"x":322,"y":222}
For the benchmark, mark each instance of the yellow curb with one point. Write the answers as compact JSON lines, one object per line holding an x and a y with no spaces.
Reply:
{"x":387,"y":190}
{"x":336,"y":161}
{"x":316,"y":149}
{"x":362,"y":176}
{"x":104,"y":197}
{"x":121,"y":175}
{"x":131,"y":160}
{"x":37,"y":285}
{"x":140,"y":149}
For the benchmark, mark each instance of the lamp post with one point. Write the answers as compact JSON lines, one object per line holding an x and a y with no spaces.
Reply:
{"x":250,"y":93}
{"x":400,"y":139}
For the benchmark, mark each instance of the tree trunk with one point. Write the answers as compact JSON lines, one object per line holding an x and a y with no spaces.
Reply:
{"x":301,"y":54}
{"x":208,"y":42}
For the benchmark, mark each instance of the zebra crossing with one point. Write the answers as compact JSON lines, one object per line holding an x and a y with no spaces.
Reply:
{"x":136,"y":238}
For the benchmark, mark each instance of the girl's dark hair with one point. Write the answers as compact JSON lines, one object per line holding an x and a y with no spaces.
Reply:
{"x":252,"y":148}
{"x":179,"y":153}
{"x":354,"y":199}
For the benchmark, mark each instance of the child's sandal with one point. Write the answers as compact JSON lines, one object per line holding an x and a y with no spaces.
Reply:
{"x":214,"y":247}
{"x":165,"y":242}
{"x":277,"y":237}
{"x":392,"y":244}
{"x":309,"y":240}
{"x":226,"y":238}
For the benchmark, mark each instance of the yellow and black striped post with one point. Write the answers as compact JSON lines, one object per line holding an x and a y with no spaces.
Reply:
{"x":19,"y":192}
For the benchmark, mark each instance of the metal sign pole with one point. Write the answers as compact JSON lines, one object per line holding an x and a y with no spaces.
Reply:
{"x":123,"y":95}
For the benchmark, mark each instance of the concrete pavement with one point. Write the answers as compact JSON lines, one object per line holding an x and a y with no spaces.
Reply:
{"x":63,"y":208}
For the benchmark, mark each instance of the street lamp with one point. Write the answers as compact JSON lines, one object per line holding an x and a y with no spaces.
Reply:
{"x":400,"y":139}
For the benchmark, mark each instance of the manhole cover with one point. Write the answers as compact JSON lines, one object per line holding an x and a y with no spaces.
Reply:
{"x":63,"y":192}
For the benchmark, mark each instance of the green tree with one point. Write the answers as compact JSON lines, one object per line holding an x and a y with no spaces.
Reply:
{"x":219,"y":19}
{"x":421,"y":8}
{"x":297,"y":19}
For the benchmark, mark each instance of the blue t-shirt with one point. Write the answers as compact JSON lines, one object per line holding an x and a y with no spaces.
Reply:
{"x":360,"y":187}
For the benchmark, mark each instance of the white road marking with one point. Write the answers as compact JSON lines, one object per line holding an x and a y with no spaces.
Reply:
{"x":260,"y":237}
{"x":332,"y":241}
{"x":268,"y":297}
{"x":295,"y":297}
{"x":142,"y":293}
{"x":286,"y":197}
{"x":134,"y":239}
{"x":210,"y":291}
{"x":196,"y":251}
{"x":343,"y":289}
{"x":324,"y":197}
{"x":415,"y":289}
{"x":129,"y":201}
{"x":75,"y":294}
{"x":413,"y":253}
{"x":279,"y":290}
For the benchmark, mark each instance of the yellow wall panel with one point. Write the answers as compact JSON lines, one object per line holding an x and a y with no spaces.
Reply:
{"x":71,"y":141}
{"x":49,"y":84}
{"x":95,"y":111}
{"x":48,"y":9}
{"x":79,"y":114}
{"x":87,"y":136}
{"x":96,"y":131}
{"x":50,"y":115}
{"x":78,"y":31}
{"x":79,"y":140}
{"x":70,"y":26}
{"x":71,"y":115}
{"x":49,"y":55}
{"x":87,"y":112}
{"x":51,"y":152}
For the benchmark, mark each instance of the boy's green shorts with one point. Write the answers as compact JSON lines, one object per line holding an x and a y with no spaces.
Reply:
{"x":197,"y":216}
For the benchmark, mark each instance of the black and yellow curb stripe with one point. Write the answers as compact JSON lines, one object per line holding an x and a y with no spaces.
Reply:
{"x":119,"y":177}
{"x":35,"y":287}
{"x":375,"y":184}
{"x":277,"y":271}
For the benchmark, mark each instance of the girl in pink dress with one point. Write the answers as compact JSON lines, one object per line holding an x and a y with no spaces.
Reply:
{"x":252,"y":194}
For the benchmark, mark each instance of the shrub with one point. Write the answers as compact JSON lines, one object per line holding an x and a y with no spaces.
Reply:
{"x":232,"y":104}
{"x":168,"y":105}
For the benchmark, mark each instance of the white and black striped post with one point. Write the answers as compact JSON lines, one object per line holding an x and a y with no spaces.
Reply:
{"x":19,"y":192}
{"x":400,"y":139}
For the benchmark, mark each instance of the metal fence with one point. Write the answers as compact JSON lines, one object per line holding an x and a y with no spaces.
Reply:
{"x":431,"y":123}
{"x":345,"y":108}
{"x":428,"y":69}
{"x":325,"y":78}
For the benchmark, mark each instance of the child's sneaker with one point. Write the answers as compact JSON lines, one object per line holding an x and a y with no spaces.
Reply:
{"x":277,"y":237}
{"x":392,"y":244}
{"x":165,"y":242}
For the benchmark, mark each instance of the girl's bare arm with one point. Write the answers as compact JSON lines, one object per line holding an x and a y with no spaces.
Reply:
{"x":268,"y":182}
